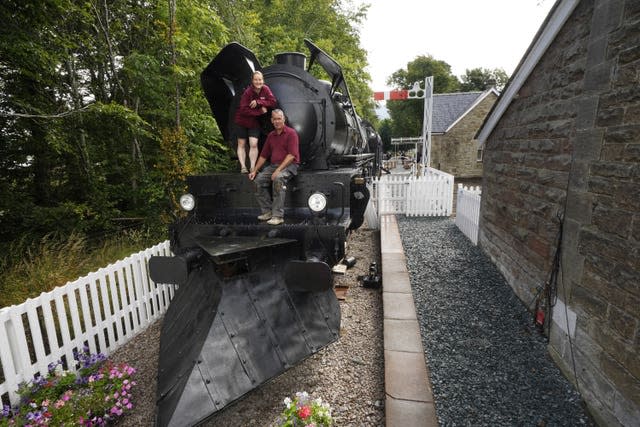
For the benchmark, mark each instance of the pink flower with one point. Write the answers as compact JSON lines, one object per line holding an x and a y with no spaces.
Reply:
{"x":304,"y":412}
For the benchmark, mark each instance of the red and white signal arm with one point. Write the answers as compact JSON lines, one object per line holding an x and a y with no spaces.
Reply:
{"x":390,"y":95}
{"x":396,"y":95}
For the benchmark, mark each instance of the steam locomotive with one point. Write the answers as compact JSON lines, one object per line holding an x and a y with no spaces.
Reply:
{"x":252,"y":299}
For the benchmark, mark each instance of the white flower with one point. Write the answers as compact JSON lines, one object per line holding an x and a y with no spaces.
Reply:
{"x":59,"y":371}
{"x":287,"y":402}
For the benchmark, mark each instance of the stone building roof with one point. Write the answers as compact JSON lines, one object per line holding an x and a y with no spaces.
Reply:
{"x":450,"y":108}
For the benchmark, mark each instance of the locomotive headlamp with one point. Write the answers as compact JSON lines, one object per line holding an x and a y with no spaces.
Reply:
{"x":317,"y":202}
{"x":187,"y":202}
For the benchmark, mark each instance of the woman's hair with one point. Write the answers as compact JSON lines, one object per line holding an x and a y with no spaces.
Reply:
{"x":256,"y":72}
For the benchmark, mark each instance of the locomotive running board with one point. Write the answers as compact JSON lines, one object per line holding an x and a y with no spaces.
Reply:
{"x":175,"y":269}
{"x":220,"y":247}
{"x":223,"y":337}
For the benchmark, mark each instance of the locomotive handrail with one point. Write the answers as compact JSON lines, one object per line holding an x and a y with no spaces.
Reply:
{"x":341,"y":185}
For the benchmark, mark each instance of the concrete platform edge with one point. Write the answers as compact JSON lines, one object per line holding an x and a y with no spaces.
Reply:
{"x":409,"y":397}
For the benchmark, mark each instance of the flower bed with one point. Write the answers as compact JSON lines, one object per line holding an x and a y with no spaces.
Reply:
{"x":97,"y":394}
{"x":304,"y":412}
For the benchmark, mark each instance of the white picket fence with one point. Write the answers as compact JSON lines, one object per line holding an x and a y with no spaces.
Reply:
{"x":427,"y":195}
{"x":102,"y":310}
{"x":468,"y":211}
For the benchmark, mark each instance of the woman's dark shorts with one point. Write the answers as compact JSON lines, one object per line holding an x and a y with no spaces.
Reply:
{"x":244,"y":133}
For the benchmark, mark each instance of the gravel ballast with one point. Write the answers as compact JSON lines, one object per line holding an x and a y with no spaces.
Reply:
{"x":487,"y":361}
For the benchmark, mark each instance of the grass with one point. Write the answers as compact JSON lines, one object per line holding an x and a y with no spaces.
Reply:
{"x":28,"y":270}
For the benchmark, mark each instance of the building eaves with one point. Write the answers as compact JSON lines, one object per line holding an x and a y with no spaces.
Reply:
{"x":475,"y":103}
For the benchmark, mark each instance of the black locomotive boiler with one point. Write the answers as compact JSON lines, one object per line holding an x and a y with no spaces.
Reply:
{"x":252,"y":299}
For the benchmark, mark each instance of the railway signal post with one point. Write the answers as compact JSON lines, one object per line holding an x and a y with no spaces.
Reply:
{"x":416,"y":92}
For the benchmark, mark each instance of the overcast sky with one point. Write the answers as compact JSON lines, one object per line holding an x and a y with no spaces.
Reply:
{"x":464,"y":33}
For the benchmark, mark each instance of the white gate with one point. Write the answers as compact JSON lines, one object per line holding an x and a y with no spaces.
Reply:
{"x":428,"y":195}
{"x":468,"y":211}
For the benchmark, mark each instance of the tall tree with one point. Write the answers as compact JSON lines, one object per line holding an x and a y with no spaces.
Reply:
{"x":330,"y":24}
{"x":87,"y":89}
{"x":101,"y":109}
{"x":407,"y":115}
{"x":482,"y":79}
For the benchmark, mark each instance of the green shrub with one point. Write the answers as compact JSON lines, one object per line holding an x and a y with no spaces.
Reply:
{"x":28,"y":269}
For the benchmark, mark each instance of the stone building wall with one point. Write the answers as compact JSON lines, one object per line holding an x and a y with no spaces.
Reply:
{"x":456,"y":152}
{"x":568,"y":146}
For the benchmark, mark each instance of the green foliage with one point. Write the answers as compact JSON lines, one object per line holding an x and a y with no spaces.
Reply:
{"x":480,"y":79}
{"x":94,"y":94}
{"x":28,"y":269}
{"x":385,"y":134}
{"x":80,"y":113}
{"x":424,"y":66}
{"x":282,"y":26}
{"x":175,"y":165}
{"x":97,"y":394}
{"x":407,"y":115}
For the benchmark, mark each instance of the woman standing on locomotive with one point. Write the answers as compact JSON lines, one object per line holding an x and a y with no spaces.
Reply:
{"x":255,"y":101}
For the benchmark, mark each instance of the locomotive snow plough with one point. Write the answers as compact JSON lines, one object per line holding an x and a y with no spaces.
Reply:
{"x":252,"y":299}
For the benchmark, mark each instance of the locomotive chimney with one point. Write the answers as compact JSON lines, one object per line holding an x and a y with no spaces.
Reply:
{"x":292,"y":58}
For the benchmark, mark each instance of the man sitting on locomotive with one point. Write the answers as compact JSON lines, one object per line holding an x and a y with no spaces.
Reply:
{"x":282,"y":150}
{"x":255,"y":101}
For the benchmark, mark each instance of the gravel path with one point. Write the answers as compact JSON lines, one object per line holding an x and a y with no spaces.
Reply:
{"x":488,"y":364}
{"x":348,"y":374}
